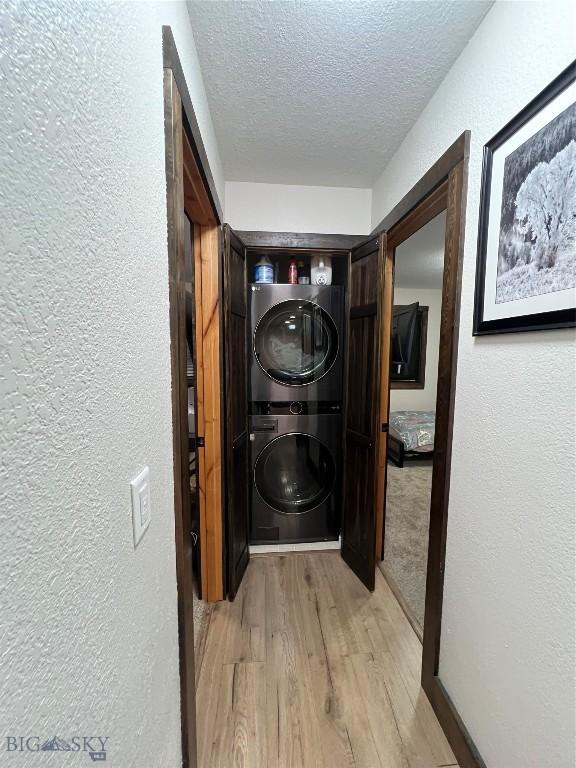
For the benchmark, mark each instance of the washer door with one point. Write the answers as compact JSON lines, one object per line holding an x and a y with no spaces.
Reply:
{"x":294,"y":473}
{"x":296,"y":342}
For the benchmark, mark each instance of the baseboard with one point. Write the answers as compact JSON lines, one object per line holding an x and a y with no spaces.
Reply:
{"x":308,"y":546}
{"x":458,"y":737}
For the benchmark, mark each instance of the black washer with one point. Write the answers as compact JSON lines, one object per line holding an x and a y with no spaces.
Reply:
{"x":294,"y":474}
{"x":296,"y":470}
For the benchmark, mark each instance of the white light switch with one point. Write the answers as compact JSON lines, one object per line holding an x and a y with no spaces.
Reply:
{"x":141,"y":507}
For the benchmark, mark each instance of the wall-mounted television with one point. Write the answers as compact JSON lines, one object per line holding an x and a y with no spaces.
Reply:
{"x":406,"y":338}
{"x":409,"y":341}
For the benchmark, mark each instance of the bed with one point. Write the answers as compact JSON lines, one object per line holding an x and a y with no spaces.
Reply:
{"x":410,"y":435}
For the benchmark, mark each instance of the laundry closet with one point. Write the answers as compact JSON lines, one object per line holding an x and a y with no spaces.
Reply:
{"x":301,"y":348}
{"x":296,"y":352}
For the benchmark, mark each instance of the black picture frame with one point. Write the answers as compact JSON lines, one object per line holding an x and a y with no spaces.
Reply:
{"x":562,"y":318}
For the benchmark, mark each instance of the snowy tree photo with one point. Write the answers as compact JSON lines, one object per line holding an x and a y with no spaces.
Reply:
{"x":537,"y":248}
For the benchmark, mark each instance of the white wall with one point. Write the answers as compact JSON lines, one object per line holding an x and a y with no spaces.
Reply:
{"x":88,"y":625}
{"x":287,"y":208}
{"x":508,"y":633}
{"x":421,"y":399}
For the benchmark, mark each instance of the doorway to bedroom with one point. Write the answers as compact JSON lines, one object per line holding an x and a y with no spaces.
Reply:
{"x":414,"y":353}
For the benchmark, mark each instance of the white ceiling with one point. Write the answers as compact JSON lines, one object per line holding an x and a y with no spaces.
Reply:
{"x":419,"y":261}
{"x":322,"y":92}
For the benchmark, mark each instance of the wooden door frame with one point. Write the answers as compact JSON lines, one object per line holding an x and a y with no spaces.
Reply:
{"x":306,"y":241}
{"x":203,"y":208}
{"x":336,"y":244}
{"x":423,"y":212}
{"x":443,"y":187}
{"x":190,"y":190}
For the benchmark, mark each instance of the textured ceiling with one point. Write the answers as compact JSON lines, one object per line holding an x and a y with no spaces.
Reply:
{"x":322,"y":92}
{"x":419,"y":261}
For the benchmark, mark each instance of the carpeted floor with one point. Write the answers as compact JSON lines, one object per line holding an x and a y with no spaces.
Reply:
{"x":406,"y":539}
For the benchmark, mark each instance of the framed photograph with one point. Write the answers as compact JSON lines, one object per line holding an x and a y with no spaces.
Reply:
{"x":526,"y":266}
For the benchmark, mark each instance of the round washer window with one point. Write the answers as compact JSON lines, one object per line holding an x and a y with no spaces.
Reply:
{"x":294,"y":473}
{"x":296,"y":342}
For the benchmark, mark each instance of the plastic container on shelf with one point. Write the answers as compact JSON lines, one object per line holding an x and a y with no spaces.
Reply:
{"x":321,"y":270}
{"x":303,"y":275}
{"x":264,"y":271}
{"x":293,"y":272}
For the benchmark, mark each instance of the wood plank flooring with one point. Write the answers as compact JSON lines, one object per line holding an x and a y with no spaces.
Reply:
{"x":307,"y":669}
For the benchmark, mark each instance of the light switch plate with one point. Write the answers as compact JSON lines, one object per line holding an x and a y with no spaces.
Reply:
{"x":141,"y":506}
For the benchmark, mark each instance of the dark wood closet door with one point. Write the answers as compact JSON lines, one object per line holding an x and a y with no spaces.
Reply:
{"x":235,"y":408}
{"x":362,"y":414}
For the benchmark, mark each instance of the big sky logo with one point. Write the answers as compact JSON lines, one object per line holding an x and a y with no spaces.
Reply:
{"x":94,"y":746}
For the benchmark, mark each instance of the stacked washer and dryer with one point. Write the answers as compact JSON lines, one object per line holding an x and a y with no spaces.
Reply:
{"x":295,"y":393}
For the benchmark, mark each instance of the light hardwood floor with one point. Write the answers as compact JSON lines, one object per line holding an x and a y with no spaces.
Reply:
{"x":306,"y":668}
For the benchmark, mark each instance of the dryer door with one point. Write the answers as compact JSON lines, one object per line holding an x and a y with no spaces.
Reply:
{"x":296,"y":342}
{"x":294,"y":473}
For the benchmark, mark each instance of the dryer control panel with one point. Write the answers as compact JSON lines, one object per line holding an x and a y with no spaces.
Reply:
{"x":294,"y":408}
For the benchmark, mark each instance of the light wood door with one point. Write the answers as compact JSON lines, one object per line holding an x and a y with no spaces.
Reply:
{"x":209,"y":409}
